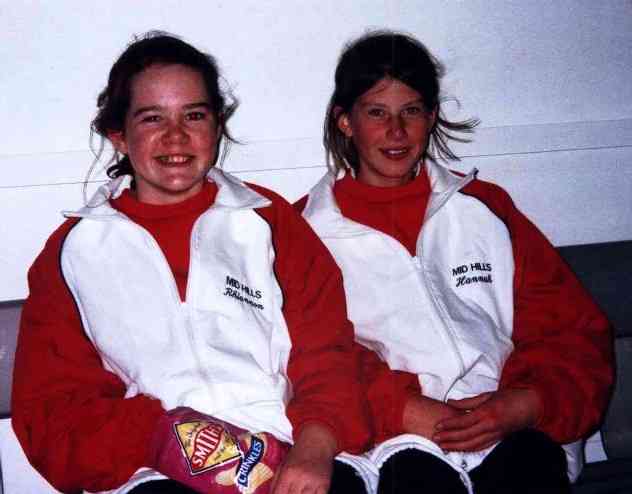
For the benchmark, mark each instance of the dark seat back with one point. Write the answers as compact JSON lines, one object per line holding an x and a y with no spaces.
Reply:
{"x":9,"y":321}
{"x":606,"y":271}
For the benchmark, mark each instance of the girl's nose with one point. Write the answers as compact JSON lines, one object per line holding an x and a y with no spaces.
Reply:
{"x":175,"y":132}
{"x":397,"y":127}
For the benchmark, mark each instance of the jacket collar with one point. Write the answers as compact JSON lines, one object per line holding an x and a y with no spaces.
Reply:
{"x":322,"y":211}
{"x":232,"y":193}
{"x":324,"y":215}
{"x":444,"y":183}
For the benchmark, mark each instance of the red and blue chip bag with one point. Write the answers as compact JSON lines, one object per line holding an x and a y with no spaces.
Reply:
{"x":214,"y":457}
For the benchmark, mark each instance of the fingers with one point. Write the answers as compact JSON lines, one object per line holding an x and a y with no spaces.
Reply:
{"x":284,"y":484}
{"x":470,"y":403}
{"x":459,"y":422}
{"x":476,"y":443}
{"x":298,"y":488}
{"x":280,"y":488}
{"x":470,"y":433}
{"x":295,"y":479}
{"x":488,"y":419}
{"x":473,"y":431}
{"x":274,"y":488}
{"x":462,"y":431}
{"x":308,"y":465}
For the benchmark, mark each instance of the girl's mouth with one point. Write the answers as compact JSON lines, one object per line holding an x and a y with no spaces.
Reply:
{"x":395,"y":153}
{"x":175,"y":159}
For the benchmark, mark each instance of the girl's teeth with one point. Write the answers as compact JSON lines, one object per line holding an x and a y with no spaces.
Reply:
{"x":174,"y":159}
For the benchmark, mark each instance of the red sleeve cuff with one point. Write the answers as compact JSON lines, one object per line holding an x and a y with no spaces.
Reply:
{"x":352,"y":436}
{"x":332,"y":428}
{"x":387,"y":397}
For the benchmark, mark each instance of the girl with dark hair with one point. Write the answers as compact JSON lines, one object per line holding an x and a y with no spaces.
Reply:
{"x":156,"y":48}
{"x":476,"y":365}
{"x":184,"y":327}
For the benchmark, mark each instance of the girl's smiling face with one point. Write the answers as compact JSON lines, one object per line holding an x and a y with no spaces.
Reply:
{"x":389,"y":126}
{"x":170,"y":133}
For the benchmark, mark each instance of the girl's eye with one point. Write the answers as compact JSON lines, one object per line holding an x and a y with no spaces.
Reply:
{"x":413,"y":111}
{"x":376,"y":112}
{"x":196,"y":115}
{"x":151,"y":118}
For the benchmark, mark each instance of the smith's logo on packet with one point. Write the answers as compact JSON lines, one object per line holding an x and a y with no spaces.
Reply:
{"x":206,"y":445}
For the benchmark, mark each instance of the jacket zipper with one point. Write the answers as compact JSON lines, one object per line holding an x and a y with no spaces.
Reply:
{"x":175,"y":294}
{"x":193,"y":248}
{"x":417,"y":262}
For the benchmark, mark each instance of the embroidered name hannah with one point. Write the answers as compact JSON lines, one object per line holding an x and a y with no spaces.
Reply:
{"x":466,"y":274}
{"x":242,"y":292}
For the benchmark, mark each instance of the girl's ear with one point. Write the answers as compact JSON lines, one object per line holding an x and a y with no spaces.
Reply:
{"x":343,"y":122}
{"x":117,"y":138}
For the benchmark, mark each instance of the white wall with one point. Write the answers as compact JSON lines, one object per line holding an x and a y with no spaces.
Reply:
{"x":549,"y":80}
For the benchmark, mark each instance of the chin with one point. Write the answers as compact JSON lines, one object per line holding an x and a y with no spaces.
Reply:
{"x":406,"y":175}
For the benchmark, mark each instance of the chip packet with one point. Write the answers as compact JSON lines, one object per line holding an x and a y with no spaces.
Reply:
{"x":214,"y":457}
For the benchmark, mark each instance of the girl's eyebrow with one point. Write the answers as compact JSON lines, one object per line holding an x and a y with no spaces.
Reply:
{"x":204,"y":104}
{"x":371,"y":103}
{"x":143,"y":109}
{"x":376,"y":103}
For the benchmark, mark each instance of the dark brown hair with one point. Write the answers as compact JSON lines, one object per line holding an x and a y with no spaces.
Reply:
{"x":156,"y":47}
{"x":387,"y":54}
